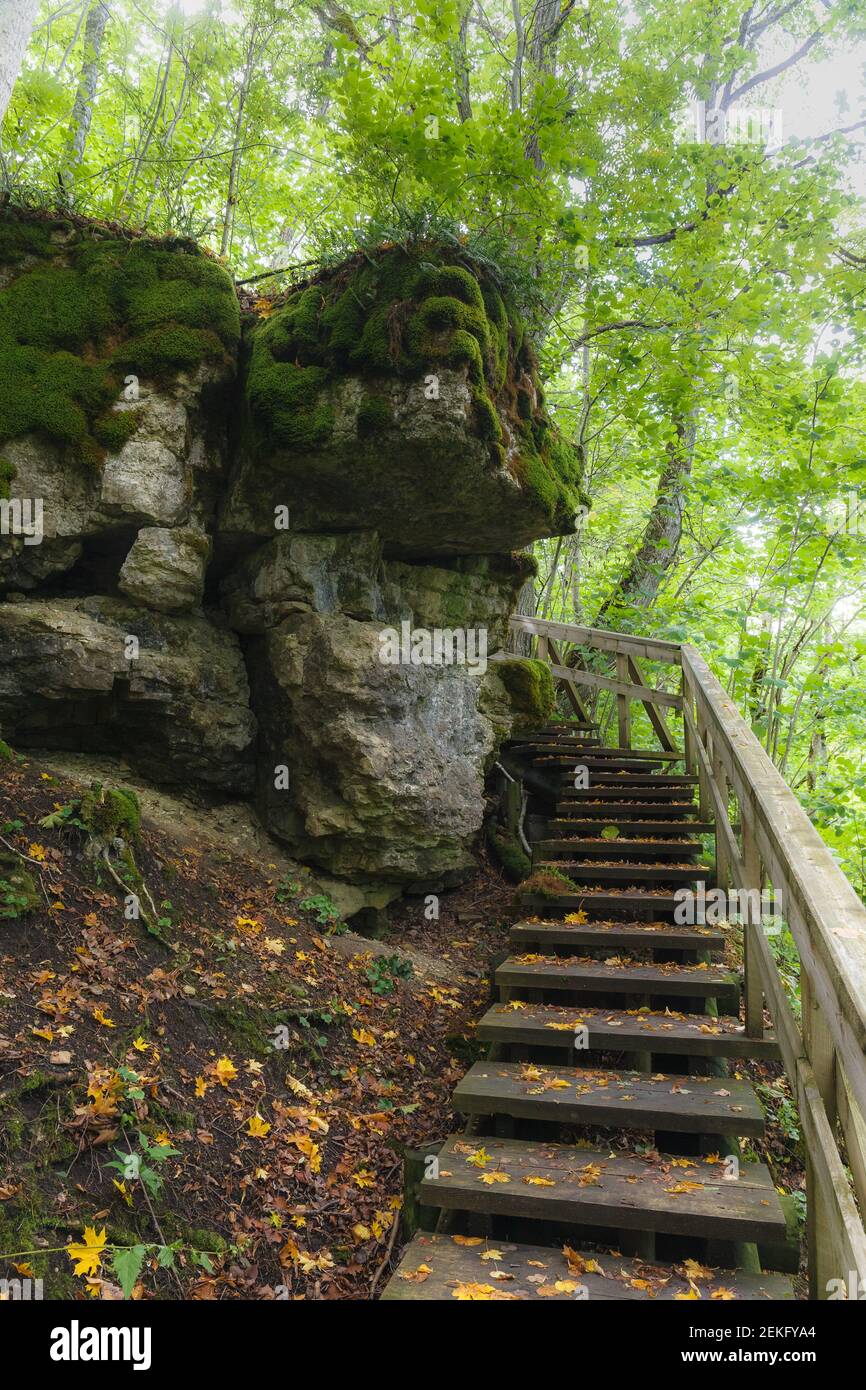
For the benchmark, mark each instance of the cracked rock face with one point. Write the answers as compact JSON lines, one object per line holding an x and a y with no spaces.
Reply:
{"x":97,"y":675}
{"x":172,"y":615}
{"x":386,"y":773}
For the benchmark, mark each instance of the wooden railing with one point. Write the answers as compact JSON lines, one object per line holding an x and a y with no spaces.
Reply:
{"x":764,"y":840}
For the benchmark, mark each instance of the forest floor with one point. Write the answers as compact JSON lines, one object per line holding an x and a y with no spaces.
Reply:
{"x":271,"y":1162}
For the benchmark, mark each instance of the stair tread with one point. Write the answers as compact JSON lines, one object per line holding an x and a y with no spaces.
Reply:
{"x":598,"y":1187}
{"x":553,"y":1025}
{"x":661,"y":935}
{"x":581,"y":972}
{"x":621,"y":1099}
{"x":665,"y":827}
{"x":620,"y":846}
{"x":598,"y":900}
{"x":434,"y":1267}
{"x":588,"y":871}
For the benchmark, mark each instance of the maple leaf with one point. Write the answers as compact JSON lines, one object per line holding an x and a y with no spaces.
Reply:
{"x":140,"y":1044}
{"x":364,"y":1178}
{"x":535,"y":1181}
{"x":693,"y":1293}
{"x":225,"y":1070}
{"x":725,"y":1294}
{"x":100,"y":1016}
{"x":200,"y":1086}
{"x":480,"y":1158}
{"x":364,"y":1036}
{"x":361,"y":1231}
{"x":468,"y":1240}
{"x":473,"y":1293}
{"x":693,"y":1270}
{"x":274,"y":945}
{"x":490,"y":1178}
{"x":86,"y":1255}
{"x":257,"y":1128}
{"x":37,"y":852}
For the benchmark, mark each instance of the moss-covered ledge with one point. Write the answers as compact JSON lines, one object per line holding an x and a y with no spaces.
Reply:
{"x":83,"y":305}
{"x":401,"y":387}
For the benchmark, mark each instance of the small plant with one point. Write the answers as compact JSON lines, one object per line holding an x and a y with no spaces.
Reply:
{"x":383,"y":972}
{"x":325,"y":912}
{"x":142,"y":1164}
{"x":287,"y":888}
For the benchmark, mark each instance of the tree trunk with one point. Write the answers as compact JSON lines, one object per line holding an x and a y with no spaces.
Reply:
{"x":82,"y":111}
{"x":234,"y":169}
{"x":657,"y":551}
{"x":17,"y":18}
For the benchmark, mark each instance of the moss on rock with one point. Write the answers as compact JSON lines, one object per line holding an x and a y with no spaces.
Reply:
{"x":404,"y":313}
{"x":84,"y":306}
{"x":111,"y":811}
{"x":530,"y":686}
{"x":508,"y":852}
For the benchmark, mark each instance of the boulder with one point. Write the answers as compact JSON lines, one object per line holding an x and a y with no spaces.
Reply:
{"x":97,"y":675}
{"x":295,"y":572}
{"x":385,"y":763}
{"x":165,"y":569}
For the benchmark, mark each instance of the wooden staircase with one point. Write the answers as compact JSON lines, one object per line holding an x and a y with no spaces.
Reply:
{"x":601,"y":1152}
{"x":605,"y":1113}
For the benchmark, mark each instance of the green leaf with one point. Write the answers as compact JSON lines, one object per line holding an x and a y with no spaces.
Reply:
{"x":127,"y":1265}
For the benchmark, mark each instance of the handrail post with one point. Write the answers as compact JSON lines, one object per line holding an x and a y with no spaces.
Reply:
{"x":818,"y":1046}
{"x":623,"y":707}
{"x":753,"y":992}
{"x":690,"y":756}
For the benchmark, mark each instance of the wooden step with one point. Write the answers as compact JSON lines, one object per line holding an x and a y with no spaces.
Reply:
{"x":438,"y":1267}
{"x":582,"y":975}
{"x":620,"y":848}
{"x":580,"y":826}
{"x":621,"y":1099}
{"x":627,"y":873}
{"x":598,"y":903}
{"x":661,"y":783}
{"x":617,"y":791}
{"x":520,"y":1024}
{"x":617,"y":936}
{"x":563,"y":1183}
{"x":620,"y":812}
{"x":613,"y":755}
{"x":602,"y":767}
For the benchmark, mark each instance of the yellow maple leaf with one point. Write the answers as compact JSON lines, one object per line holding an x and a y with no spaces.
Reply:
{"x":725,"y":1294}
{"x":473,"y":1293}
{"x":364,"y":1178}
{"x":101,"y":1017}
{"x":200,"y":1086}
{"x":480,"y":1158}
{"x":37,"y":852}
{"x":225,"y":1071}
{"x":86,"y":1255}
{"x":140,"y":1044}
{"x":257,"y":1128}
{"x":274,"y":945}
{"x":361,"y":1231}
{"x":693,"y":1293}
{"x":490,"y":1178}
{"x":468,"y":1240}
{"x":535,"y":1181}
{"x":363,"y":1035}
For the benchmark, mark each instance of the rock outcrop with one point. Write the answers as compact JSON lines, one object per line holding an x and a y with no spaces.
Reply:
{"x":273,"y":562}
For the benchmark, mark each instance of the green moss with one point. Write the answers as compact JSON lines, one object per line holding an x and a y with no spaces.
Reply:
{"x":114,"y":429}
{"x":7,"y":475}
{"x":548,"y":883}
{"x":6,"y":754}
{"x":374,"y":413}
{"x":19,"y":891}
{"x":402,"y":313}
{"x":530,"y":686}
{"x":508,"y":852}
{"x":111,"y":811}
{"x":102,"y":307}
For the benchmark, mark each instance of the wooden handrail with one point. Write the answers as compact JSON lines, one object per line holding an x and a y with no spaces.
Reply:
{"x":768,"y":840}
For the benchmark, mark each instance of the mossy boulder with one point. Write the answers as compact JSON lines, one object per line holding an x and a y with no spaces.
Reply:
{"x":111,"y":811}
{"x":400,"y":391}
{"x":508,"y":852}
{"x":83,"y":307}
{"x":530,"y":687}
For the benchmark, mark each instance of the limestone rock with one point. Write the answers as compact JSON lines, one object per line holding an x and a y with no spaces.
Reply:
{"x":386,"y":763}
{"x":180,"y":711}
{"x":165,"y":569}
{"x":296,"y":571}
